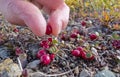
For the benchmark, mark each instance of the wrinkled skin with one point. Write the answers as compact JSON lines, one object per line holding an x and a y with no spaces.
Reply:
{"x":22,"y":12}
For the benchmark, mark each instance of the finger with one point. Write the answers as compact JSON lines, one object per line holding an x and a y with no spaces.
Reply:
{"x":59,"y":19}
{"x":26,"y":13}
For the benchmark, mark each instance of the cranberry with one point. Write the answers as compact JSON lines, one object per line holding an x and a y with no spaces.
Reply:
{"x":83,"y":54}
{"x":45,"y":59}
{"x":80,"y":48}
{"x":40,"y":53}
{"x":16,"y":30}
{"x":48,"y":30}
{"x":74,"y":35}
{"x":25,"y":73}
{"x":50,"y":39}
{"x":76,"y":53}
{"x":44,"y":44}
{"x":52,"y":56}
{"x":83,"y":23}
{"x":116,"y":44}
{"x":93,"y":36}
{"x":63,"y":36}
{"x":89,"y":56}
{"x":18,"y":51}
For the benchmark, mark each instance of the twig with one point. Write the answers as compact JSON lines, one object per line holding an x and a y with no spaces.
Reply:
{"x":47,"y":75}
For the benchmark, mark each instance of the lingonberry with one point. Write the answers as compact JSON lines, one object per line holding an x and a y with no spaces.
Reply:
{"x":25,"y":73}
{"x":18,"y":51}
{"x":83,"y":23}
{"x":44,"y":43}
{"x":15,"y":30}
{"x":45,"y":59}
{"x":80,"y":48}
{"x":63,"y":36}
{"x":89,"y":56}
{"x":52,"y":56}
{"x":73,"y":35}
{"x":83,"y":54}
{"x":48,"y":30}
{"x":50,"y":39}
{"x":93,"y":36}
{"x":116,"y":44}
{"x":76,"y":53}
{"x":40,"y":53}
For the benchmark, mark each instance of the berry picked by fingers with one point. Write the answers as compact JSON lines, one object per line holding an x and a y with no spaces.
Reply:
{"x":48,"y":29}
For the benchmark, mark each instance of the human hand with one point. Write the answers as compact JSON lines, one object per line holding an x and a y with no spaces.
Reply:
{"x":22,"y":12}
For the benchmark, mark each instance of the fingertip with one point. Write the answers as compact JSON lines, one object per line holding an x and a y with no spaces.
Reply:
{"x":56,"y":26}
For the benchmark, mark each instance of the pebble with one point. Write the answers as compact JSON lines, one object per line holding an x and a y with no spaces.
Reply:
{"x":33,"y":64}
{"x":64,"y":76}
{"x":33,"y":49}
{"x":105,"y":73}
{"x":4,"y":52}
{"x":94,"y":51}
{"x":36,"y":74}
{"x":84,"y":73}
{"x":9,"y":69}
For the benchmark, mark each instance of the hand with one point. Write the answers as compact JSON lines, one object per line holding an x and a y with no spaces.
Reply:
{"x":22,"y":12}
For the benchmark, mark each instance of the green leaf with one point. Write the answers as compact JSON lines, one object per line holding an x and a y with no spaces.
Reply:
{"x":88,"y":55}
{"x":115,"y":36}
{"x":53,"y":49}
{"x":55,"y":41}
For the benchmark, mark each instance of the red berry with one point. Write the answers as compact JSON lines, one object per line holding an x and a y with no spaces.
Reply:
{"x":18,"y":51}
{"x":44,"y":44}
{"x":83,"y":54}
{"x":89,"y":56}
{"x":63,"y":36}
{"x":25,"y":73}
{"x":116,"y":44}
{"x":40,"y":53}
{"x":93,"y":36}
{"x":50,"y":39}
{"x":80,"y":48}
{"x":73,"y":35}
{"x":76,"y":53}
{"x":48,"y":30}
{"x":52,"y":56}
{"x":15,"y":30}
{"x":83,"y":23}
{"x":45,"y":59}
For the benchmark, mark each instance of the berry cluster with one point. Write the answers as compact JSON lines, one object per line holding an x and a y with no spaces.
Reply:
{"x":81,"y":52}
{"x":45,"y":56}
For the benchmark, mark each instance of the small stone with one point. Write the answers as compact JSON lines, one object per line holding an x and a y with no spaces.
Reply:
{"x":33,"y":49}
{"x":77,"y":70}
{"x":118,"y":51}
{"x":105,"y":73}
{"x":4,"y":52}
{"x":33,"y":64}
{"x":85,"y":73}
{"x":72,"y":65}
{"x":64,"y":76}
{"x":36,"y":74}
{"x":9,"y":69}
{"x":94,"y":51}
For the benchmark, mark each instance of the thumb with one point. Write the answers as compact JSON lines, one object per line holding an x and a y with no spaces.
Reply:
{"x":22,"y":12}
